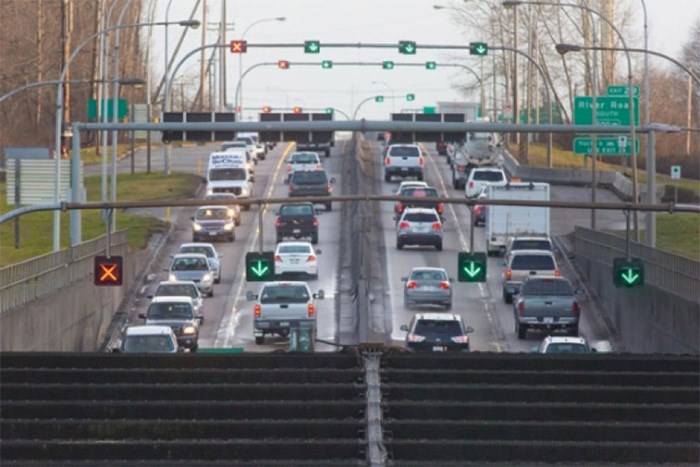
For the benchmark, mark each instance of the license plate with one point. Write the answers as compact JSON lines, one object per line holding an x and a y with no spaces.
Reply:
{"x":212,"y":234}
{"x":294,"y":261}
{"x":296,"y":231}
{"x":548,"y":320}
{"x":284,"y":323}
{"x":404,"y":169}
{"x":438,"y":348}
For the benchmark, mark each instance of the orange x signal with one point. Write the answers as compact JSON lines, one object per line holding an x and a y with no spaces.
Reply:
{"x":239,"y":47}
{"x":108,"y":271}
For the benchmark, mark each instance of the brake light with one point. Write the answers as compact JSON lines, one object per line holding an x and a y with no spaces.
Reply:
{"x":387,"y":160}
{"x":411,"y":285}
{"x":521,"y":306}
{"x":557,"y":273}
{"x":460,"y":168}
{"x":399,"y":207}
{"x":460,"y":339}
{"x":314,"y":222}
{"x":403,"y":225}
{"x":471,"y":185}
{"x":445,"y":285}
{"x":478,"y":209}
{"x":509,"y":274}
{"x":278,"y":258}
{"x":437,"y":226}
{"x":257,"y":310}
{"x":289,"y":167}
{"x":290,"y":189}
{"x":329,"y":187}
{"x":576,"y":308}
{"x":311,"y":258}
{"x":439,"y":208}
{"x":278,"y":222}
{"x":311,"y":309}
{"x":421,"y":160}
{"x":415,"y":338}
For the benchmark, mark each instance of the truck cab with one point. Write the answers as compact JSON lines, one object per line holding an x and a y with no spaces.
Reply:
{"x":479,"y":149}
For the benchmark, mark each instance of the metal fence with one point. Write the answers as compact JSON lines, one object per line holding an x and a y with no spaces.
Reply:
{"x":674,"y":273}
{"x":23,"y":282}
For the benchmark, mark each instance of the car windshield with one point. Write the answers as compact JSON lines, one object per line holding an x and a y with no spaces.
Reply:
{"x":546,"y":287}
{"x":170,"y":311}
{"x":190,"y":264}
{"x":305,"y":210}
{"x":404,"y":151}
{"x":420,"y":217}
{"x":176,"y":290}
{"x":285,"y":294}
{"x":484,"y":136}
{"x":419,"y":192}
{"x":157,"y":343}
{"x":304,"y":158}
{"x":533,"y":262}
{"x":211,"y":214}
{"x":235,"y":144}
{"x":532,"y":245}
{"x":314,"y":177}
{"x":205,"y":250}
{"x":488,"y":176}
{"x":561,"y":347}
{"x":227,"y":174}
{"x":429,"y":327}
{"x":294,"y":249}
{"x":428,"y":276}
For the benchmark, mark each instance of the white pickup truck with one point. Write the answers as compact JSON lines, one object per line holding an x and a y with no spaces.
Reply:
{"x":281,"y":306}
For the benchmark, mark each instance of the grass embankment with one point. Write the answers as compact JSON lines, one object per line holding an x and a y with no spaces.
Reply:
{"x":36,"y":229}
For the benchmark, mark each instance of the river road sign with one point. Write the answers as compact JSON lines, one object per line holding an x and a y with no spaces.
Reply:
{"x":611,"y":110}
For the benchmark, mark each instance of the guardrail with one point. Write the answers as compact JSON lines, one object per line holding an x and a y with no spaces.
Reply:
{"x":26,"y":281}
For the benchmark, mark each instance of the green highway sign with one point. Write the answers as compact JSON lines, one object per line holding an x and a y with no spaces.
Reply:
{"x":478,"y":48}
{"x":430,"y":65}
{"x":621,"y":90}
{"x":410,"y":97}
{"x":606,"y":146}
{"x":611,"y":110}
{"x":407,"y":47}
{"x":388,"y":65}
{"x":628,"y":272}
{"x":429,"y":110}
{"x":327,"y":64}
{"x":471,"y":267}
{"x":312,"y":47}
{"x":379,"y":99}
{"x":260,"y":266}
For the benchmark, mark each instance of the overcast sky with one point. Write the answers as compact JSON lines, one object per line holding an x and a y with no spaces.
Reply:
{"x":365,"y":21}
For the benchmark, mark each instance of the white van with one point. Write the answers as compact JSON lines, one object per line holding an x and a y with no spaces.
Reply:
{"x":228,"y":173}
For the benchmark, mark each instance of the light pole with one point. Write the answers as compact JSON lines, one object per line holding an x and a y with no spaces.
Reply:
{"x":635,"y":200}
{"x":239,"y":105}
{"x":122,"y":81}
{"x":393,"y":94}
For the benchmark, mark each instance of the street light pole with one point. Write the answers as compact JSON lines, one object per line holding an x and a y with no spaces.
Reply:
{"x":393,"y":94}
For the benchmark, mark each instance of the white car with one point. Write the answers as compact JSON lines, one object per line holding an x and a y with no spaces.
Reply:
{"x":411,"y":183}
{"x":482,"y":176}
{"x":302,"y":160}
{"x":148,"y":339}
{"x":252,"y":145}
{"x":180,"y":289}
{"x":296,"y":258}
{"x":211,"y":253}
{"x":242,"y":146}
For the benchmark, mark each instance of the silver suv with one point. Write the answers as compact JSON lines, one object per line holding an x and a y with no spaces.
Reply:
{"x":403,"y":160}
{"x":521,"y":264}
{"x":419,"y":226}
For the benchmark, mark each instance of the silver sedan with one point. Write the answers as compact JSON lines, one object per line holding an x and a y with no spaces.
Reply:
{"x":427,"y":286}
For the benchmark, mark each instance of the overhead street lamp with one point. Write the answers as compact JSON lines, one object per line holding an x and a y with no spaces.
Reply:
{"x":240,"y":60}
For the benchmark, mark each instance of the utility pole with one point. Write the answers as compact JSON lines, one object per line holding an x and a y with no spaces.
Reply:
{"x":66,"y":30}
{"x":203,"y":58}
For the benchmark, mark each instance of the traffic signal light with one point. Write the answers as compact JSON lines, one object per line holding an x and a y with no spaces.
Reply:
{"x":388,"y":65}
{"x":471,"y":267}
{"x":312,"y":47}
{"x":283,"y":64}
{"x":297,"y":110}
{"x":410,"y":97}
{"x":430,"y":65}
{"x":379,"y":99}
{"x":266,"y":109}
{"x":259,"y":266}
{"x":478,"y":48}
{"x":329,"y":110}
{"x":108,"y":270}
{"x":407,"y":47}
{"x":628,"y":272}
{"x":326,"y":64}
{"x":239,"y":47}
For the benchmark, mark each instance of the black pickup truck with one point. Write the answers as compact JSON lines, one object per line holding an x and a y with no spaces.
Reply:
{"x":424,"y":197}
{"x":297,"y":220}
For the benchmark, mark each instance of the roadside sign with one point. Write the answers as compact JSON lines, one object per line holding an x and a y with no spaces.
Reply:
{"x":675,"y":172}
{"x":606,"y":146}
{"x":429,"y":110}
{"x":611,"y":110}
{"x":621,"y":90}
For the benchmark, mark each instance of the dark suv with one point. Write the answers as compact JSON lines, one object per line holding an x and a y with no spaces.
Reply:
{"x":297,"y":220}
{"x":311,"y":183}
{"x":437,"y":332}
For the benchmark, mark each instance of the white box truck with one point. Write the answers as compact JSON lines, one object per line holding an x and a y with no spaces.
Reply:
{"x":503,"y":222}
{"x":228,"y":173}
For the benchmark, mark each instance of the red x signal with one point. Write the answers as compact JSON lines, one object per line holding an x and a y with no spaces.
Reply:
{"x":283,"y":64}
{"x":267,"y":109}
{"x":239,"y":47}
{"x":108,"y":270}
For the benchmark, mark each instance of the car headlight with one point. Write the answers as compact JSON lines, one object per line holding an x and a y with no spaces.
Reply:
{"x":189,"y":330}
{"x":245,"y":191}
{"x":228,"y":226}
{"x":210,"y":191}
{"x":172,"y":277}
{"x":196,"y":227}
{"x":231,"y":212}
{"x":206,"y":277}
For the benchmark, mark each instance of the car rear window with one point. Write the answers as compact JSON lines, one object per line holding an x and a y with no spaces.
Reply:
{"x":210,"y":214}
{"x":226,"y":174}
{"x":427,"y":327}
{"x":546,"y":287}
{"x":531,"y":245}
{"x":297,"y":210}
{"x":533,"y":262}
{"x":198,"y":249}
{"x":294,"y":249}
{"x":488,"y":176}
{"x":170,"y":311}
{"x":419,"y":192}
{"x":566,"y":348}
{"x":311,"y":177}
{"x":404,"y":151}
{"x":284,"y":294}
{"x":428,"y":276}
{"x":176,"y":290}
{"x":190,"y":264}
{"x":309,"y":158}
{"x":420,"y":217}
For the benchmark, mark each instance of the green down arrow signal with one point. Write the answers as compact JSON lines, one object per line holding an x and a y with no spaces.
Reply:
{"x":481,"y":50}
{"x":260,"y":268}
{"x":630,"y":276}
{"x":473,"y":270}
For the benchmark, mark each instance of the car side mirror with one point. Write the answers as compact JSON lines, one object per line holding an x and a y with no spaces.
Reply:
{"x":404,"y":328}
{"x":503,"y":263}
{"x":469,"y":330}
{"x":318,"y":252}
{"x":578,"y":291}
{"x":332,"y":179}
{"x":404,"y":279}
{"x":199,"y":318}
{"x":150,"y":296}
{"x":250,"y":296}
{"x":219,"y":255}
{"x":191,"y":218}
{"x":251,"y":178}
{"x":451,"y":279}
{"x":320,"y":295}
{"x":116,"y":350}
{"x":142,"y":315}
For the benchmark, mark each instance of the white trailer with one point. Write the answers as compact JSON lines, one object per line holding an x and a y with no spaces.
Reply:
{"x":503,"y":222}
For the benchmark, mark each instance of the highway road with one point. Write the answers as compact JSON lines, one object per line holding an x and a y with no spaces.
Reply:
{"x":229,"y":316}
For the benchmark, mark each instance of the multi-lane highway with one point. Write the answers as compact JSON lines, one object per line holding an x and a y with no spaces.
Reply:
{"x":229,"y":316}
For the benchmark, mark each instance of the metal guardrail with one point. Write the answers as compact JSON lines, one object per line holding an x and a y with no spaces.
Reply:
{"x":26,"y":281}
{"x":673,"y":273}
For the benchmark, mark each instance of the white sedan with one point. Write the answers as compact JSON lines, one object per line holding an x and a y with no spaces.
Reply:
{"x":296,"y":258}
